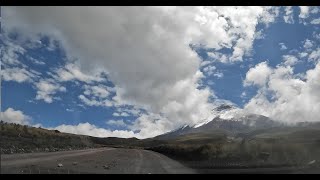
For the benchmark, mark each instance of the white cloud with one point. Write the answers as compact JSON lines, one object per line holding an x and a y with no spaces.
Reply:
{"x":145,"y":51}
{"x":288,"y":18}
{"x":204,"y":63}
{"x":99,"y":91}
{"x":130,"y":111}
{"x":243,"y":94}
{"x":315,"y":55}
{"x":209,"y":70}
{"x":259,"y":35}
{"x":92,"y":130}
{"x":124,"y":114}
{"x":271,"y":15}
{"x":304,"y":12}
{"x":47,"y":88}
{"x":18,"y":75}
{"x":10,"y":52}
{"x":292,"y":99}
{"x":72,"y":72}
{"x":314,"y":9}
{"x":15,"y":116}
{"x":258,"y":75}
{"x":308,"y":44}
{"x":289,"y":60}
{"x":97,"y":95}
{"x":218,"y":74}
{"x":13,"y":69}
{"x":95,"y":102}
{"x":283,"y":46}
{"x":37,"y":62}
{"x":119,"y":123}
{"x":303,"y":54}
{"x":218,"y":56}
{"x":315,"y":21}
{"x":69,"y":110}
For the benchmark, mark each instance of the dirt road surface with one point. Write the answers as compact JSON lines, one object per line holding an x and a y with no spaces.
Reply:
{"x":115,"y":161}
{"x":102,"y":161}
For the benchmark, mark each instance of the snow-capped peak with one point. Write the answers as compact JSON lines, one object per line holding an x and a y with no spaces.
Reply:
{"x":223,"y":111}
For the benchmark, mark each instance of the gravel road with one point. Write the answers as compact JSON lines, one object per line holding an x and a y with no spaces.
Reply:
{"x":102,"y":161}
{"x":114,"y":161}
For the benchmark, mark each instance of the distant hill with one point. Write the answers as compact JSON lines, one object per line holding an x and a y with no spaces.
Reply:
{"x":230,"y":127}
{"x":17,"y":138}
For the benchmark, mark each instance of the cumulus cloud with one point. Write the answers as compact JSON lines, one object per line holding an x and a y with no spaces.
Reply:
{"x":47,"y":88}
{"x":69,"y":110}
{"x":124,"y":114}
{"x":285,"y":96}
{"x":314,"y":9}
{"x":15,"y":116}
{"x":289,"y":60}
{"x":18,"y":75}
{"x":92,"y":101}
{"x":315,"y":21}
{"x":258,"y":75}
{"x":283,"y":46}
{"x":72,"y":72}
{"x":99,"y":91}
{"x":209,"y":70}
{"x":308,"y":44}
{"x":218,"y":74}
{"x":92,"y":130}
{"x":315,"y":55}
{"x":10,"y":52}
{"x":119,"y":123}
{"x":304,"y":12}
{"x":218,"y":56}
{"x":145,"y":51}
{"x":127,"y":111}
{"x":37,"y":62}
{"x":12,"y":68}
{"x":97,"y":95}
{"x":288,"y":17}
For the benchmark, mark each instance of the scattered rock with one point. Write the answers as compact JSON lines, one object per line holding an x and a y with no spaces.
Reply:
{"x":60,"y":165}
{"x":106,"y":167}
{"x":311,"y":162}
{"x":264,"y":156}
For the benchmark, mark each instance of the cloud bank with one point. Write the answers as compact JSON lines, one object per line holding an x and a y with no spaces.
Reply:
{"x":146,"y":53}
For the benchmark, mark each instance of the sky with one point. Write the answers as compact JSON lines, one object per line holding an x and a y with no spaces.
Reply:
{"x":143,"y":71}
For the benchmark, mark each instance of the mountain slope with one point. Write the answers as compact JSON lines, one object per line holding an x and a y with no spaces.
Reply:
{"x":231,"y":127}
